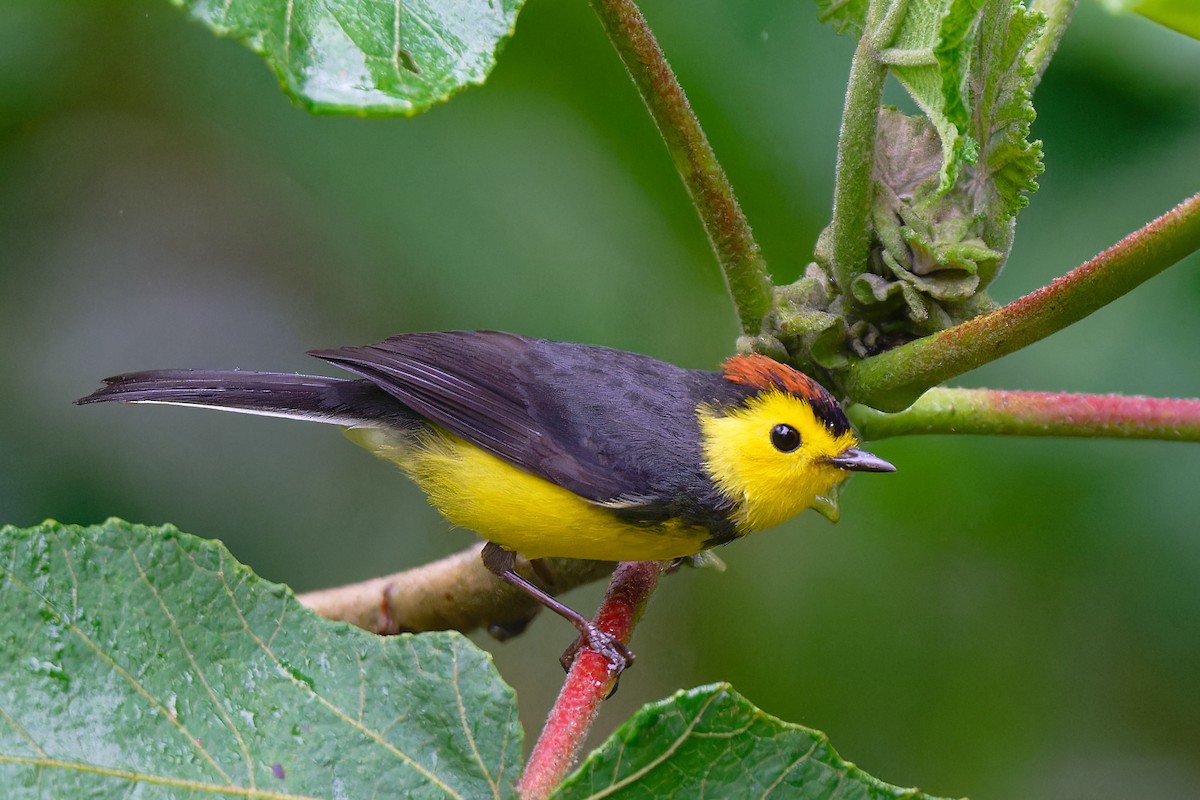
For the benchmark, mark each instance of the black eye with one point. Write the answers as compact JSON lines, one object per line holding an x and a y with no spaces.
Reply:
{"x":785,"y":438}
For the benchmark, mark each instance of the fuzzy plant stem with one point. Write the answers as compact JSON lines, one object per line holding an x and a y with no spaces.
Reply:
{"x":728,"y":230}
{"x":849,"y":237}
{"x":1007,"y":413}
{"x":589,"y":681}
{"x":893,"y":380}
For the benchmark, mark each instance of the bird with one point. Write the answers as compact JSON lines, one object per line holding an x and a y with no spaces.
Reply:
{"x":558,"y":449}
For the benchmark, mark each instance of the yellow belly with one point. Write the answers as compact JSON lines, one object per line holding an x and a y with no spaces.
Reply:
{"x":520,"y":511}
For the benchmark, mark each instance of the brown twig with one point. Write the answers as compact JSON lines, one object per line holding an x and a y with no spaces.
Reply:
{"x":454,"y":593}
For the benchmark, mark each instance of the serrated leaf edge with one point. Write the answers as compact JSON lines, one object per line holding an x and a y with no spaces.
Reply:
{"x":225,"y":558}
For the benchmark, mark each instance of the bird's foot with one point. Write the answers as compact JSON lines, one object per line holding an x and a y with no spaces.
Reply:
{"x":618,"y":655}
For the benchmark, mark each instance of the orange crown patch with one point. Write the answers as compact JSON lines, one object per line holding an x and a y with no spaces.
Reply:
{"x":762,"y":372}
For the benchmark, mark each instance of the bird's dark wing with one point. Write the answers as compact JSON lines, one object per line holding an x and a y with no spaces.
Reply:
{"x":501,"y":392}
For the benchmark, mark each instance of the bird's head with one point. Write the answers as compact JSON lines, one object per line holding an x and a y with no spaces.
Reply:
{"x":784,"y":448}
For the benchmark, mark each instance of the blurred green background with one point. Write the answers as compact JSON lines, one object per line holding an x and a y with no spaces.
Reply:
{"x":1001,"y":618}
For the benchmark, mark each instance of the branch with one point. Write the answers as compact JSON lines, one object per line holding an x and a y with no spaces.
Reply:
{"x":849,"y":229}
{"x":1005,"y":413}
{"x":893,"y":380}
{"x":589,"y":682}
{"x":455,"y":593}
{"x":727,"y":228}
{"x":459,"y":593}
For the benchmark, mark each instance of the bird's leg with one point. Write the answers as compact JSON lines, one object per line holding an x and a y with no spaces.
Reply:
{"x":500,"y":563}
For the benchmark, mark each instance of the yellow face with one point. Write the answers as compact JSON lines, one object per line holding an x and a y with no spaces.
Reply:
{"x":769,"y":457}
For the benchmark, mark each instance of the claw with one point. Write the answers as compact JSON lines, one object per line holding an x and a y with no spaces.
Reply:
{"x":614,"y":651}
{"x":500,"y":562}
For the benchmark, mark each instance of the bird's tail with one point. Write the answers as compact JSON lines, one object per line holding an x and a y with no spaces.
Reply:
{"x":337,"y":401}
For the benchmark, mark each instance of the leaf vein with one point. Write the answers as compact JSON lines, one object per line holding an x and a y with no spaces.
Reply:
{"x":462,"y":716}
{"x":154,"y":780}
{"x":457,"y":51}
{"x":341,"y":714}
{"x":661,"y":757}
{"x":132,"y":681}
{"x":187,"y":652}
{"x":24,"y":734}
{"x":791,"y":767}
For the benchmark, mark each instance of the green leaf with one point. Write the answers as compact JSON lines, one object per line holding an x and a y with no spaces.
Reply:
{"x":934,"y":34}
{"x":144,"y":662}
{"x":367,"y":56}
{"x":1002,"y":111}
{"x":712,"y":742}
{"x":1178,"y":15}
{"x":975,"y":86}
{"x":846,"y":16}
{"x":945,"y":187}
{"x":963,"y":63}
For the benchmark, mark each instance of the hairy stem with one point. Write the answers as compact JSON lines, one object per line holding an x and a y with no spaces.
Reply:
{"x":589,"y":682}
{"x":1005,"y":413}
{"x":728,"y":230}
{"x":454,"y":593}
{"x":849,"y":230}
{"x":893,"y":380}
{"x":1058,"y":16}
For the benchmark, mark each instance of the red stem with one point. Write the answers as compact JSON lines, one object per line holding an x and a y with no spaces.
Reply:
{"x":588,"y":683}
{"x":997,"y":412}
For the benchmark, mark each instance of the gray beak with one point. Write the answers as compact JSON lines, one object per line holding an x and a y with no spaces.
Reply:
{"x":860,"y":461}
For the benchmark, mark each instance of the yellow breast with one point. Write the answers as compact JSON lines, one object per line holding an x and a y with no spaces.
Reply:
{"x":520,"y":511}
